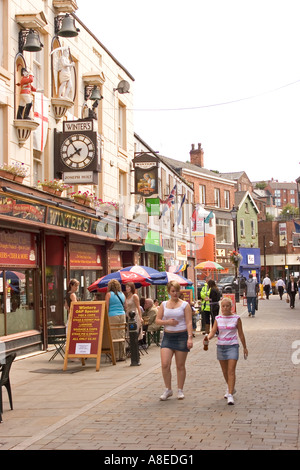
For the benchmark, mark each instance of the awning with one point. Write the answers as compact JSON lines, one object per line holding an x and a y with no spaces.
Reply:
{"x":153,"y":243}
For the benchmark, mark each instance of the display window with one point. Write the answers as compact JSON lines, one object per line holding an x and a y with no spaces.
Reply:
{"x":17,"y":300}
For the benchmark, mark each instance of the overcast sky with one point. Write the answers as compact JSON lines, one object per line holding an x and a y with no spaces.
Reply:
{"x":223,"y":73}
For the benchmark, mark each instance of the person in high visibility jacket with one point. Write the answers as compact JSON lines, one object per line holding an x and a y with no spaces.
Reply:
{"x":205,"y":305}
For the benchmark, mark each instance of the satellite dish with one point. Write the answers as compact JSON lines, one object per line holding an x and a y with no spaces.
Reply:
{"x":123,"y":87}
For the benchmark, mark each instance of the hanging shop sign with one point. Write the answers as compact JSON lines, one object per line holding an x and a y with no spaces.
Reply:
{"x":146,"y":175}
{"x":22,"y":209}
{"x":181,"y":250}
{"x":77,"y":149}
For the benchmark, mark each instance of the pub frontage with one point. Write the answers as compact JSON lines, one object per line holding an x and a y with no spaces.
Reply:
{"x":45,"y":241}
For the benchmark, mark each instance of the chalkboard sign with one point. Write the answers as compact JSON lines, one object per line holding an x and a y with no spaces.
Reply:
{"x":88,"y":332}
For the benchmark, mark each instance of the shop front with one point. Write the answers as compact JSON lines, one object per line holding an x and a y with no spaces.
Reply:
{"x":45,"y":242}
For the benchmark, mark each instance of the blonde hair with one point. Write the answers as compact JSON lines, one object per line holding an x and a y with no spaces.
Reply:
{"x":113,"y":286}
{"x":174,"y":284}
{"x":226,"y":299}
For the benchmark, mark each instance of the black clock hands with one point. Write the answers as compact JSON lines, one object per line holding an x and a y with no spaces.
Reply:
{"x":77,"y":151}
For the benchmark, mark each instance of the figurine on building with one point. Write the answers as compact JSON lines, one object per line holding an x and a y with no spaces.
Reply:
{"x":65,"y":75}
{"x":26,"y":97}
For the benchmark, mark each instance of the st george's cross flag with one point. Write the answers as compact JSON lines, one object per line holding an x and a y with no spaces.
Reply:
{"x":41,"y":106}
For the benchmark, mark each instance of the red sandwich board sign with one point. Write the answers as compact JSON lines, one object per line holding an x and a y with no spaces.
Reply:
{"x":88,"y":333}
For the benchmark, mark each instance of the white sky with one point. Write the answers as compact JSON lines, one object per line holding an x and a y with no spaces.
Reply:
{"x":198,"y":54}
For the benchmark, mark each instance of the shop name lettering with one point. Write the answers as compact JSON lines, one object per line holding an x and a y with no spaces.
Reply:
{"x":65,"y":220}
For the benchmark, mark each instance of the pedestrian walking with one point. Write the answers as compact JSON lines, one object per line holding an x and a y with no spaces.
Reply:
{"x":251,"y":294}
{"x":115,"y":305}
{"x":280,"y":285}
{"x":175,"y":315}
{"x":267,"y":286}
{"x":205,"y":306}
{"x":291,"y":290}
{"x":214,"y":296}
{"x":230,"y":331}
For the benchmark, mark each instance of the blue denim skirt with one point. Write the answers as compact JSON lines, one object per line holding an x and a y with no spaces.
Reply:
{"x":175,"y":341}
{"x":227,"y":352}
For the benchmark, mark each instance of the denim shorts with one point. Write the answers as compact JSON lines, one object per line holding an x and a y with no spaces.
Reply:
{"x":227,"y":352}
{"x":175,"y":341}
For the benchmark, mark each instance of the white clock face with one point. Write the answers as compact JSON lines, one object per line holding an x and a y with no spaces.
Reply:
{"x":77,"y":151}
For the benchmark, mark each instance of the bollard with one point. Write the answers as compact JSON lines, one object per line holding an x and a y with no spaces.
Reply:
{"x":133,"y":340}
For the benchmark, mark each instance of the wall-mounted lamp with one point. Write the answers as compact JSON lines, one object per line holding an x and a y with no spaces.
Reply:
{"x":29,"y":40}
{"x":65,"y":26}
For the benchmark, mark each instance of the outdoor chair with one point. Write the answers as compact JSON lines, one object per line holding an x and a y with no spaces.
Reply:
{"x":153,"y":337}
{"x":4,"y":381}
{"x":57,"y":337}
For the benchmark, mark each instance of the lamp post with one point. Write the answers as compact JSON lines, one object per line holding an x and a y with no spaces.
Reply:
{"x":233,"y":213}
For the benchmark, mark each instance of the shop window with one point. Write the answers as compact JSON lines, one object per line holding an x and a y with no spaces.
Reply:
{"x":17,"y":297}
{"x":85,"y":278}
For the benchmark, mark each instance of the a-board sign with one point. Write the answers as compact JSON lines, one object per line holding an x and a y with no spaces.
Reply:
{"x":232,"y":297}
{"x":187,"y":295}
{"x":88,"y":332}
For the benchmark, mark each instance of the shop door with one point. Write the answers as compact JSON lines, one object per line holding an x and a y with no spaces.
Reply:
{"x":55,"y":279}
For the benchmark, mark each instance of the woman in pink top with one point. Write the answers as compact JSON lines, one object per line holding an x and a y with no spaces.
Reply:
{"x":230,"y":329}
{"x":175,"y":316}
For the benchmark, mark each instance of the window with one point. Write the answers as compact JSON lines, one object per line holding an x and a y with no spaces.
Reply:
{"x":277,"y":202}
{"x":292,"y":191}
{"x":277,"y":193}
{"x":202,"y":192}
{"x":253,"y":231}
{"x":223,"y":231}
{"x":217,"y":197}
{"x":242,"y":227}
{"x":122,"y":190}
{"x":292,"y":200}
{"x":122,"y":126}
{"x":227,"y":199}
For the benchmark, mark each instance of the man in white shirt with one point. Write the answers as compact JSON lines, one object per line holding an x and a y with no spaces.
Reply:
{"x":280,"y":286}
{"x":267,"y":286}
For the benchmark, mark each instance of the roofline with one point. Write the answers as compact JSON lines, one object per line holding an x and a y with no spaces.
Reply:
{"x":103,"y":47}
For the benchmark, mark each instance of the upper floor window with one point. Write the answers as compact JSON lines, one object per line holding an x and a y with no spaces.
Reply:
{"x":227,"y":199}
{"x":122,"y":126}
{"x":217,"y":197}
{"x":277,"y":193}
{"x":242,"y":227}
{"x":202,"y":192}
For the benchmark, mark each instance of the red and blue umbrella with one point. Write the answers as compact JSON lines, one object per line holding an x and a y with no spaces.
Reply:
{"x":145,"y":271}
{"x":123,"y":277}
{"x":167,"y":277}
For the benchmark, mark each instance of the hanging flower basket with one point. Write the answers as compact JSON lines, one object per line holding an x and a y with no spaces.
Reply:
{"x":106,"y":207}
{"x":15,"y":171}
{"x":84,"y":198}
{"x":55,"y":187}
{"x":235,"y":257}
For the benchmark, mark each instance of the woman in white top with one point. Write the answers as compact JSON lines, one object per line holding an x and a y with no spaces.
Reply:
{"x":230,"y":329}
{"x":175,"y":316}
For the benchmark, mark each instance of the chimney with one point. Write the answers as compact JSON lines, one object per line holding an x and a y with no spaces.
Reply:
{"x":197,"y":156}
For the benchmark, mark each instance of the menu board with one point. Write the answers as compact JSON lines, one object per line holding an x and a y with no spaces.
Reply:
{"x":88,"y":332}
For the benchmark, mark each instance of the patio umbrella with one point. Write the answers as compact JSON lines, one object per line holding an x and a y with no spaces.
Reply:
{"x":167,"y":277}
{"x":144,"y":271}
{"x":209,"y":265}
{"x":123,"y":277}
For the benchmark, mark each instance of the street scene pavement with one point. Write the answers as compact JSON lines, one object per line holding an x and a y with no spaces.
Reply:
{"x":118,"y":408}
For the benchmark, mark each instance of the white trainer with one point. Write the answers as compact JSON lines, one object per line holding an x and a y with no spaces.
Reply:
{"x":230,"y":400}
{"x":167,"y":393}
{"x":180,"y":395}
{"x":226,"y":393}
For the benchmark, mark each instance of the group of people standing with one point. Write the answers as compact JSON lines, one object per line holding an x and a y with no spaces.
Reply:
{"x":291,"y":286}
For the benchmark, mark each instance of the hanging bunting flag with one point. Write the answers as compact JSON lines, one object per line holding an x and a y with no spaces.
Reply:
{"x":210,"y":216}
{"x":180,"y":211}
{"x":169,"y":201}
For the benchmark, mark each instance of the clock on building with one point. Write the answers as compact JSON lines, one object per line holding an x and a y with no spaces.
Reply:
{"x":77,"y":151}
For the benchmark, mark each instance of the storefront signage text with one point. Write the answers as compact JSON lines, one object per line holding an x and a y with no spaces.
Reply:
{"x":67,"y":220}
